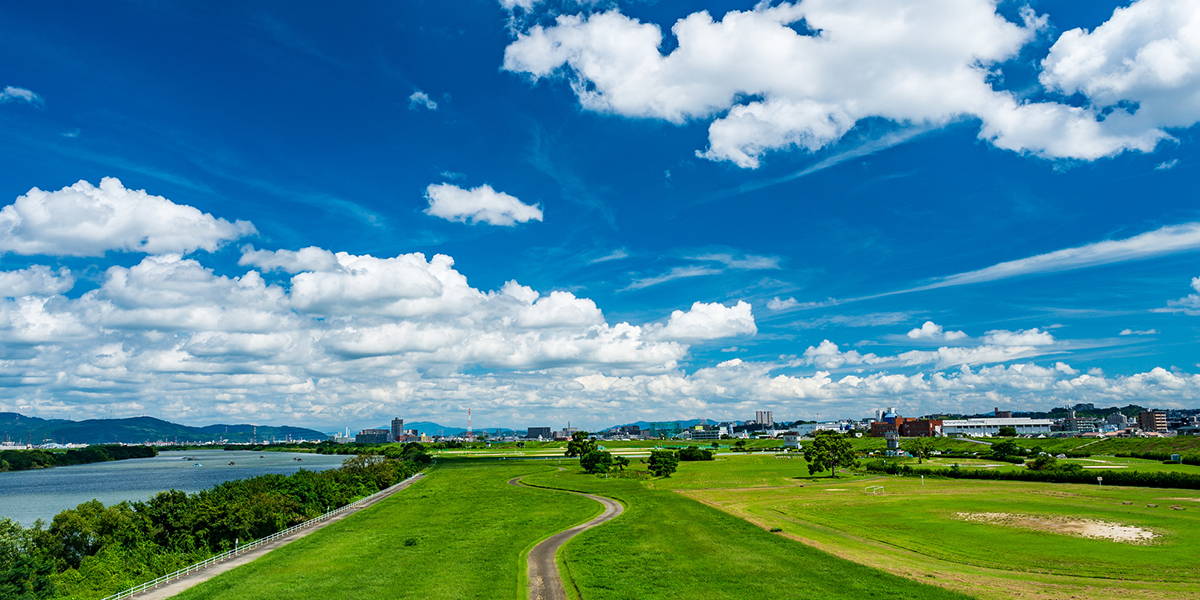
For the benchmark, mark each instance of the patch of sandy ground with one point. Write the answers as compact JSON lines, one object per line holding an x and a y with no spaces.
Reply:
{"x":1089,"y":528}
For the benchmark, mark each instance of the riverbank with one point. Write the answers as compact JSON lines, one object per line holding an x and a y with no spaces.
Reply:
{"x":24,"y":460}
{"x":94,"y":550}
{"x":26,"y":496}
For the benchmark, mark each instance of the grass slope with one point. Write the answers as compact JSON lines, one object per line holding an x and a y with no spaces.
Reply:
{"x":469,"y":529}
{"x":668,"y":546}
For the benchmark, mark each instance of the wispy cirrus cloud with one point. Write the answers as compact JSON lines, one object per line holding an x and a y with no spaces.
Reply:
{"x":748,"y":262}
{"x":617,"y":254}
{"x":673,"y":274}
{"x":1172,"y":239}
{"x":420,"y":99}
{"x":714,"y":263}
{"x":16,"y":94}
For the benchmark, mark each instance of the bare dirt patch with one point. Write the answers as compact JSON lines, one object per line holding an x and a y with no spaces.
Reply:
{"x":835,"y":489}
{"x":1088,"y":528}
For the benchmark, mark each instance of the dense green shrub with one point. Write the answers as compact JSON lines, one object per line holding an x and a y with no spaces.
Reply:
{"x":1187,"y":459}
{"x":692,"y":453}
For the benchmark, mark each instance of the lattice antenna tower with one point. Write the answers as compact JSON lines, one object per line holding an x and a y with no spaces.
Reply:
{"x":469,"y":423}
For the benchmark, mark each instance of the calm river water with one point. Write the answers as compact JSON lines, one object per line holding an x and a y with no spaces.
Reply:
{"x":26,"y":496}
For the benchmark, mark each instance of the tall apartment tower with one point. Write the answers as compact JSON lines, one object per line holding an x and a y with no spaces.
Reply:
{"x":763,"y":417}
{"x":1153,"y":420}
{"x":397,"y":429}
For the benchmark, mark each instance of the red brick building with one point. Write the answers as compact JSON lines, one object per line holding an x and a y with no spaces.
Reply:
{"x":907,"y":427}
{"x":920,"y":427}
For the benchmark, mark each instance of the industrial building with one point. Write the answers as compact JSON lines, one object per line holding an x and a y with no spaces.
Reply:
{"x":990,"y":427}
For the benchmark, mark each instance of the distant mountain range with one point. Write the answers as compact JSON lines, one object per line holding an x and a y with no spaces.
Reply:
{"x":19,"y":428}
{"x":680,"y":424}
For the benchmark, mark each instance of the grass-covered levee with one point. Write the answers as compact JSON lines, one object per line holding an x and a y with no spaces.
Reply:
{"x":94,"y":550}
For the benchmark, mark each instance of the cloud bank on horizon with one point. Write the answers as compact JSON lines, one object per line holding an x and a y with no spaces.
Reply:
{"x":345,"y":335}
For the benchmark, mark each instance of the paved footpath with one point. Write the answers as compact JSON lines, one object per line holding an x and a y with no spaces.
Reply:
{"x":545,"y":583}
{"x":175,"y":587}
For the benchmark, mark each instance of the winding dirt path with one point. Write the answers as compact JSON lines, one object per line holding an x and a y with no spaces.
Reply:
{"x":545,"y":583}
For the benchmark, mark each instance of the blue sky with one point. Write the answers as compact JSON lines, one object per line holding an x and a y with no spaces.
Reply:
{"x":722,"y":207}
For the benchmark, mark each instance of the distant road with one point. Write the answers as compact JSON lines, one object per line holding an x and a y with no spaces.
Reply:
{"x":175,"y":587}
{"x":545,"y":583}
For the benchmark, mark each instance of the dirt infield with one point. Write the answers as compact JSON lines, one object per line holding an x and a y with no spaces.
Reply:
{"x":1089,"y":528}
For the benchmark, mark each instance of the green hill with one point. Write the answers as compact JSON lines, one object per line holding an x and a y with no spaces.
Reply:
{"x":19,"y":428}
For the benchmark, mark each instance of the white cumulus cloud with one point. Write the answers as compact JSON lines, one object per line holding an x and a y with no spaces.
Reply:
{"x":1189,"y":304}
{"x":478,"y":205}
{"x":1147,"y":55}
{"x":765,"y":86}
{"x":777,"y":304}
{"x":36,"y":280}
{"x":1024,"y":337}
{"x":827,"y":355}
{"x":933,"y":331}
{"x":290,"y":261}
{"x":84,"y":220}
{"x":709,"y":321}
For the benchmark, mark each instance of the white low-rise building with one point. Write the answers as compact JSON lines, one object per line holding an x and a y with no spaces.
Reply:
{"x":991,"y":427}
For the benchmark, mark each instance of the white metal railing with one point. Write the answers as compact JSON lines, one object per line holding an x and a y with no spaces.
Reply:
{"x":244,"y":548}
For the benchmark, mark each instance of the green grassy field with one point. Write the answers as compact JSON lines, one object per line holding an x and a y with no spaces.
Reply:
{"x":703,"y":534}
{"x":468,"y":528}
{"x":915,"y":529}
{"x":668,"y":546}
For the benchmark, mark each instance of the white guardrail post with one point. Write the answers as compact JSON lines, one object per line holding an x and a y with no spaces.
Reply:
{"x":244,"y":548}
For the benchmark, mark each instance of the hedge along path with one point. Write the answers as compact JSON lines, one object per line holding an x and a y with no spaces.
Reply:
{"x":545,"y":582}
{"x":173,"y":588}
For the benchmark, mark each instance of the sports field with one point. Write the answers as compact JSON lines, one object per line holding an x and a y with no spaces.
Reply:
{"x":990,"y":539}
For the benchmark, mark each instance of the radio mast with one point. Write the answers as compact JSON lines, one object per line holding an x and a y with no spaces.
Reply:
{"x":469,"y":424}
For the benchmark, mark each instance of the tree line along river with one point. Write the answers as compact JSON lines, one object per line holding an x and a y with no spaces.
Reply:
{"x":26,"y":496}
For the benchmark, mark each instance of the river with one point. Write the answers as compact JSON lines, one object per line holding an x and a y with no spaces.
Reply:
{"x":26,"y":496}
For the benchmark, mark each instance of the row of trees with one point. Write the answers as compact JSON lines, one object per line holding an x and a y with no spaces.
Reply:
{"x":94,"y":550}
{"x":1047,"y":469}
{"x":21,"y":460}
{"x":829,"y":451}
{"x":662,"y":463}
